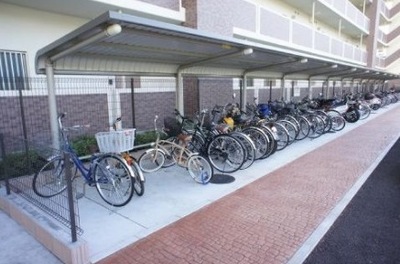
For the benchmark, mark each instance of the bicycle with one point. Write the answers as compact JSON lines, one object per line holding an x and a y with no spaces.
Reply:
{"x":225,"y":152}
{"x":132,"y":162}
{"x":108,"y":172}
{"x":153,"y":159}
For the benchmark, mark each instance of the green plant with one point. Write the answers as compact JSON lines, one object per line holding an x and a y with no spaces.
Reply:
{"x":84,"y":145}
{"x":146,"y":137}
{"x":20,"y":163}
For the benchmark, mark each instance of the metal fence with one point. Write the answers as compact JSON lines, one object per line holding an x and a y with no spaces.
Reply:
{"x":98,"y":101}
{"x":18,"y":168}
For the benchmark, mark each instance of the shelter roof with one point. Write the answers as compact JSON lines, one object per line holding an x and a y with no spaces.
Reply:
{"x":121,"y":44}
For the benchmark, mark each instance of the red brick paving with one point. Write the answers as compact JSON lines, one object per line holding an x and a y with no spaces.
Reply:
{"x":269,"y":219}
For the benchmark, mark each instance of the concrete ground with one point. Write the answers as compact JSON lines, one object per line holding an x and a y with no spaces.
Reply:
{"x":276,"y":211}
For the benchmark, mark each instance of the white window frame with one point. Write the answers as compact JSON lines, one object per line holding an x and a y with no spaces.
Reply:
{"x":13,"y":70}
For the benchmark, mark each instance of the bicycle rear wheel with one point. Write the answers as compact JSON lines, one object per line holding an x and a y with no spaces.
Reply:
{"x":151,"y":160}
{"x":226,"y":153}
{"x":51,"y":179}
{"x":200,"y":169}
{"x":113,"y":180}
{"x":139,"y":179}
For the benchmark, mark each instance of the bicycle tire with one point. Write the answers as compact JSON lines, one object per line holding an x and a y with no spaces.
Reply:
{"x":304,"y":130}
{"x":283,"y":135}
{"x":272,"y":139}
{"x":50,"y":180}
{"x":225,"y":153}
{"x":113,"y":180}
{"x":365,"y":111}
{"x":294,"y":122}
{"x":338,"y":122}
{"x":326,"y":118}
{"x":290,"y":128}
{"x":317,"y":126}
{"x":151,"y":160}
{"x":200,"y":169}
{"x":260,"y":140}
{"x":197,"y":143}
{"x":139,"y":182}
{"x":249,"y":146}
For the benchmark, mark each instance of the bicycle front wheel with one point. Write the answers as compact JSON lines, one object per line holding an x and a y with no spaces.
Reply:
{"x":113,"y":180}
{"x":200,"y":169}
{"x":151,"y":160}
{"x":51,"y":179}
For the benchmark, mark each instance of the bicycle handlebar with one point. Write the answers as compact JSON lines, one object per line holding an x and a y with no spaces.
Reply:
{"x":75,"y":127}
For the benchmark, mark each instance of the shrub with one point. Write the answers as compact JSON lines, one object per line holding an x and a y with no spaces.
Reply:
{"x":20,"y":163}
{"x":147,"y":137}
{"x":84,"y":145}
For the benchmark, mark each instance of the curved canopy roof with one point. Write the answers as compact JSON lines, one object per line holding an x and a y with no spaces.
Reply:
{"x":121,"y":44}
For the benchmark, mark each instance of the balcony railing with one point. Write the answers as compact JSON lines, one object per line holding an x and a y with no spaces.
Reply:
{"x":347,"y":10}
{"x":277,"y":29}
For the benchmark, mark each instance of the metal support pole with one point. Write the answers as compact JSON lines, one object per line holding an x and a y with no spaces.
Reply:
{"x":133,"y":101}
{"x":291,"y":91}
{"x":5,"y":168}
{"x":283,"y":87}
{"x":270,"y":90}
{"x":333,"y":89}
{"x":241,"y":94}
{"x":68,"y":175}
{"x":179,"y":93}
{"x":23,"y":120}
{"x":52,"y":106}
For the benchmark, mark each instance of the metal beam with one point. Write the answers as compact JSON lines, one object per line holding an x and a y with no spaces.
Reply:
{"x":246,"y":51}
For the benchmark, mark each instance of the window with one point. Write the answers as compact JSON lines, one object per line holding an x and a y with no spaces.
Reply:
{"x":13,"y":70}
{"x":249,"y":82}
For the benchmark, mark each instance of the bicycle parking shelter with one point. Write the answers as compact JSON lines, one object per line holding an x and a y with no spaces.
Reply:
{"x":120,"y":44}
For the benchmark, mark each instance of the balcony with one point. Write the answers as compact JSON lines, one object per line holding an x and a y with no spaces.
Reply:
{"x":287,"y":32}
{"x":335,"y":13}
{"x":165,"y":10}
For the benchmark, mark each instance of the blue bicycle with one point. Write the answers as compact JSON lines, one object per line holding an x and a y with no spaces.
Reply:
{"x":108,"y":172}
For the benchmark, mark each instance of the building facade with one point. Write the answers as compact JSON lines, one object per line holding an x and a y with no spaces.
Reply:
{"x":363,"y":32}
{"x":357,"y":32}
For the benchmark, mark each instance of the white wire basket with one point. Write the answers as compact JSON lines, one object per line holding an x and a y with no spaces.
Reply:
{"x":116,"y":141}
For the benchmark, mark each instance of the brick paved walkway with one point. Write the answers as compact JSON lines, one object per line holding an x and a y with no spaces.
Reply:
{"x":268,"y":220}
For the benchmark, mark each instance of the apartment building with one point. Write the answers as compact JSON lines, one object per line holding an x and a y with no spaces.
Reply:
{"x":356,"y":33}
{"x":361,"y":32}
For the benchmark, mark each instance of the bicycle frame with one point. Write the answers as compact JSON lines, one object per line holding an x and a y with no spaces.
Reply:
{"x":85,"y":171}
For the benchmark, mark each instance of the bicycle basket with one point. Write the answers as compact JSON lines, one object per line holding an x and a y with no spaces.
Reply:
{"x":172,"y":126}
{"x":116,"y":141}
